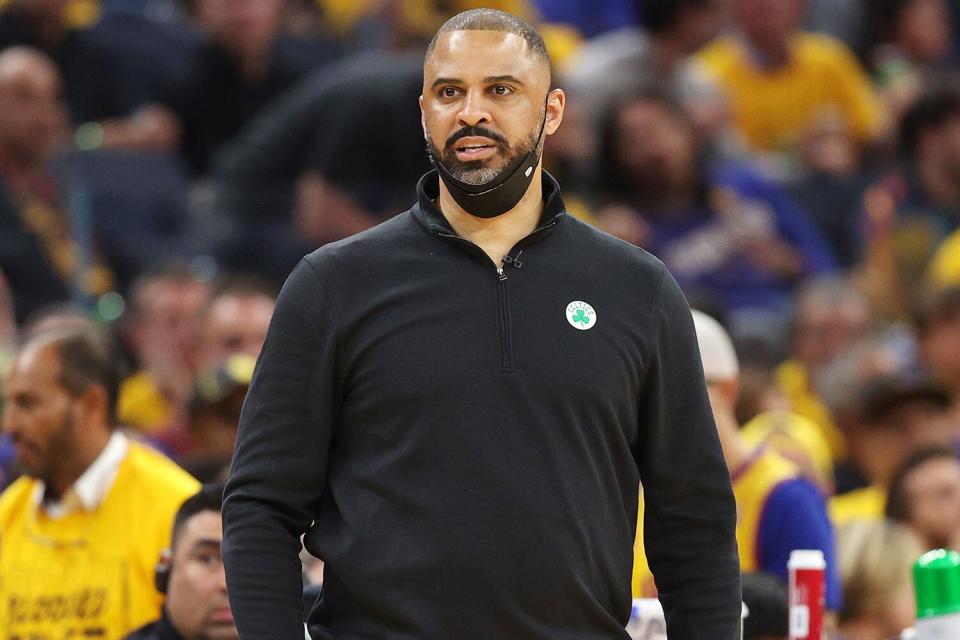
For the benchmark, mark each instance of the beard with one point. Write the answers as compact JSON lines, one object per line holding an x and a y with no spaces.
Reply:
{"x":478,"y":172}
{"x":50,"y":458}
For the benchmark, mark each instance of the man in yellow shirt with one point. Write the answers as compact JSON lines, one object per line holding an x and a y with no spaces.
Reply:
{"x":780,"y":80}
{"x":81,"y":532}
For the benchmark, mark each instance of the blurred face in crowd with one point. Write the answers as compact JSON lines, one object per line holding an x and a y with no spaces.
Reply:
{"x":768,"y":23}
{"x":32,"y":116}
{"x":933,"y":493}
{"x":484,"y":100}
{"x":40,"y":415}
{"x":241,"y":26}
{"x":700,"y":23}
{"x":940,"y":351}
{"x":925,"y":30}
{"x":197,"y":592}
{"x":825,"y":327}
{"x":655,"y":148}
{"x":169,"y":319}
{"x":882,"y":446}
{"x":235,"y":323}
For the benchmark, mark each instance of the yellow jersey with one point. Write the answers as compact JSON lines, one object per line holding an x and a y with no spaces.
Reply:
{"x":89,"y":573}
{"x":771,"y":108}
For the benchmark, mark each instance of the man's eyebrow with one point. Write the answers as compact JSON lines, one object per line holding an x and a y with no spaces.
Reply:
{"x":506,"y":78}
{"x":210,"y":544}
{"x":440,"y":81}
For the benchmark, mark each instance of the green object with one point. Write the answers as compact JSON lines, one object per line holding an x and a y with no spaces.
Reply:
{"x":936,"y":580}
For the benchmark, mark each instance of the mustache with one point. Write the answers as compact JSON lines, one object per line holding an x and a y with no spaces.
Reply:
{"x":480,"y":132}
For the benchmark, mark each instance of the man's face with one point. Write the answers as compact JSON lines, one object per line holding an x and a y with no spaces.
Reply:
{"x":885,"y":444}
{"x":39,"y":414}
{"x":933,"y":492}
{"x":32,"y":116}
{"x":825,"y":329}
{"x":197,"y":594}
{"x":170,"y":318}
{"x":235,"y":324}
{"x":483,"y":102}
{"x":767,"y":22}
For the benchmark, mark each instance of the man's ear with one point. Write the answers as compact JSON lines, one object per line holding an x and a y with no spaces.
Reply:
{"x":556,"y":101}
{"x":94,"y":402}
{"x":423,"y":120}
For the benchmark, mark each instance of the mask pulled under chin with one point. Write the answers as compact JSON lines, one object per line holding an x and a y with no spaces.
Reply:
{"x":496,"y":197}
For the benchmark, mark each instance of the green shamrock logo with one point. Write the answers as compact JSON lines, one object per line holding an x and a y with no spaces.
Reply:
{"x":581,"y":316}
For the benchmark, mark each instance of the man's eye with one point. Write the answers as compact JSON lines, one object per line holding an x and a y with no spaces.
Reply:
{"x":448,"y":92}
{"x":502,"y":90}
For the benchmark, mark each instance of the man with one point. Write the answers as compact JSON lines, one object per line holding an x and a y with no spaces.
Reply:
{"x":780,"y":80}
{"x":37,"y":253}
{"x":190,"y":575}
{"x":235,"y":320}
{"x":925,"y":496}
{"x":163,"y":328}
{"x":83,"y":528}
{"x":778,"y":509}
{"x":464,"y":400}
{"x":937,"y":324}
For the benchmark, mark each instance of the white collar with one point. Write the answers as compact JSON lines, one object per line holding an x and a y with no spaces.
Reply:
{"x":90,"y":489}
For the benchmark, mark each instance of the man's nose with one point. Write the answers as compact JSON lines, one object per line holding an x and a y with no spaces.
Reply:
{"x":474,"y":110}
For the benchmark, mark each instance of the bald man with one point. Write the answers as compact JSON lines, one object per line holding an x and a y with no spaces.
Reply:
{"x":36,"y":252}
{"x":458,"y":406}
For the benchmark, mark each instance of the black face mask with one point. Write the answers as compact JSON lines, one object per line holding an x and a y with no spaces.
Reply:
{"x":501,"y":194}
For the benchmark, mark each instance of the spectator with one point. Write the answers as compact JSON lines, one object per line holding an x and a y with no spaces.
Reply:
{"x":87,"y":522}
{"x":612,"y":66}
{"x":241,"y":67}
{"x":780,"y":79}
{"x":205,"y":445}
{"x":778,"y":509}
{"x":731,"y":238}
{"x":897,"y":415}
{"x":42,"y":262}
{"x":190,"y":575}
{"x":925,"y":496}
{"x":937,"y":324}
{"x":235,"y":320}
{"x":927,"y":189}
{"x":766,"y":598}
{"x":163,"y":330}
{"x":829,"y":315}
{"x":875,"y":562}
{"x":86,"y":66}
{"x":315,"y":155}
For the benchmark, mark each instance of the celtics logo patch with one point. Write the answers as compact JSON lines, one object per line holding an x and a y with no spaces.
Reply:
{"x":581,"y":315}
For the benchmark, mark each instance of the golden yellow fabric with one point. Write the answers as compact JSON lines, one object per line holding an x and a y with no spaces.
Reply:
{"x":792,"y":435}
{"x":863,"y":504}
{"x":752,"y":485}
{"x":945,"y":265}
{"x":141,"y":406}
{"x":772,"y":108}
{"x":89,"y":574}
{"x":791,"y":377}
{"x":78,"y":13}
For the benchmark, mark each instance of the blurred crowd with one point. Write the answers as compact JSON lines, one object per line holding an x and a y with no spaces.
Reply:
{"x":795,"y":163}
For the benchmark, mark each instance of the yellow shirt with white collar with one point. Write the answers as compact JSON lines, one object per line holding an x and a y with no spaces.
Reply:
{"x":84,"y":567}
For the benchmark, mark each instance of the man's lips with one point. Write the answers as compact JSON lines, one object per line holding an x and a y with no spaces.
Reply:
{"x":223,"y":614}
{"x":474,"y":148}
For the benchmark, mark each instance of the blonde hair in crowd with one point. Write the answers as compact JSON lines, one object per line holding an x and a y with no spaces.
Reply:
{"x":876,"y":558}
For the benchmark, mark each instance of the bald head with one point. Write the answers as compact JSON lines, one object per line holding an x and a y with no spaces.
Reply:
{"x":494,"y":20}
{"x":31,"y":113}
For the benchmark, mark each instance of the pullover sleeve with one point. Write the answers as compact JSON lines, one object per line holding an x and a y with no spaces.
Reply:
{"x":278,"y":474}
{"x":690,"y":516}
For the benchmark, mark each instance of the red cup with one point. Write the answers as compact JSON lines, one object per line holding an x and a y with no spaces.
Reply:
{"x":805,"y":593}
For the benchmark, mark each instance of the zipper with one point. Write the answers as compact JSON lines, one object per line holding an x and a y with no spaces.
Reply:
{"x":504,"y":332}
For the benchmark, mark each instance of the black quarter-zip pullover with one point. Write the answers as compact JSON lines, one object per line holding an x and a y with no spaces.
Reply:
{"x":463,"y":444}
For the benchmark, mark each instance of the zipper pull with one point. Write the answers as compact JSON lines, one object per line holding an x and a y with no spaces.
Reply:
{"x":509,"y":260}
{"x":500,"y":273}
